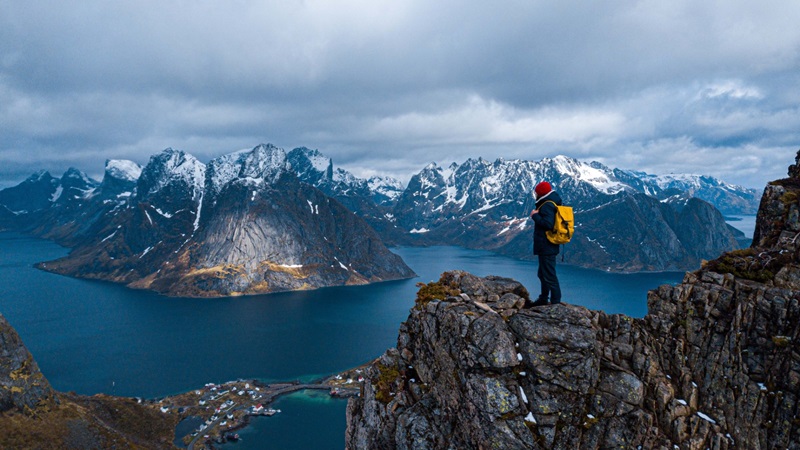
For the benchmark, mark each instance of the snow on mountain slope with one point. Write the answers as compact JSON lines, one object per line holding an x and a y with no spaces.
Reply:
{"x":169,"y":167}
{"x":386,"y":189}
{"x":123,"y":169}
{"x":600,"y":177}
{"x":264,"y":164}
{"x":478,"y":185}
{"x":728,"y":198}
{"x":316,"y":169}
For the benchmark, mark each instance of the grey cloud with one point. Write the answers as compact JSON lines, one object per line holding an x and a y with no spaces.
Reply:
{"x":389,"y":86}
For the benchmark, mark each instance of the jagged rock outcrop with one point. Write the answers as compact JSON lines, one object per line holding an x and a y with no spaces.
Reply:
{"x":714,"y":363}
{"x":23,"y":388}
{"x":33,"y":415}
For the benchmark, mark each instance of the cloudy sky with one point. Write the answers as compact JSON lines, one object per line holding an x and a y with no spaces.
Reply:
{"x":384,"y":87}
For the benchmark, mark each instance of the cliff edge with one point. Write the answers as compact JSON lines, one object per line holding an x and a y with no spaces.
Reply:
{"x":23,"y":388}
{"x":33,"y":415}
{"x":714,"y":364}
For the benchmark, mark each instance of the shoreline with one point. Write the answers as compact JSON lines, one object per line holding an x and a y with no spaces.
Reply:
{"x":227,"y":407}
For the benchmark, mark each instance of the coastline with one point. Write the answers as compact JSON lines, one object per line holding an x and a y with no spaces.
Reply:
{"x":225,"y":408}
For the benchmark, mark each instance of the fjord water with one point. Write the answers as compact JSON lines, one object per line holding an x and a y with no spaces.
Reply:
{"x":91,"y":337}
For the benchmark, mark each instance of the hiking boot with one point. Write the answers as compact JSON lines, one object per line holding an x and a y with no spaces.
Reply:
{"x":538,"y":302}
{"x":555,"y":302}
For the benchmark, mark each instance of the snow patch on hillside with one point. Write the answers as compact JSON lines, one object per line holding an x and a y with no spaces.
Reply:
{"x":123,"y":169}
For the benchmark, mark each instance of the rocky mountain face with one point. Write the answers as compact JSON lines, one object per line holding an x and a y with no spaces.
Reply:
{"x":33,"y":415}
{"x":637,"y":232}
{"x":33,"y":194}
{"x":241,"y":224}
{"x":714,"y":363}
{"x":485,"y":205}
{"x":23,"y":388}
{"x":66,"y":209}
{"x":371,"y":199}
{"x":728,"y":198}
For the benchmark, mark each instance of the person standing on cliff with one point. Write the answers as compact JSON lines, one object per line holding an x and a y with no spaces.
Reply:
{"x":544,"y":218}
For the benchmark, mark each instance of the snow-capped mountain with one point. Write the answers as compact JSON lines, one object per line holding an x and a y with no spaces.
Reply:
{"x":262,"y":165}
{"x":478,"y":204}
{"x":728,"y":198}
{"x":242,"y":224}
{"x":370,"y":199}
{"x":485,"y":205}
{"x":385,"y":190}
{"x":316,"y":169}
{"x":503,"y":188}
{"x":120,"y":179}
{"x":499,"y":189}
{"x":74,"y":185}
{"x":71,"y":208}
{"x":35,"y":193}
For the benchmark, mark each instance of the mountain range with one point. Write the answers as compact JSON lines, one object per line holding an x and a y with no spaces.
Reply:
{"x":265,"y":220}
{"x":627,"y":221}
{"x":241,"y":224}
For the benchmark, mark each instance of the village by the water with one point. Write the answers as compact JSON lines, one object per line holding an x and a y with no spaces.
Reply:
{"x":213,"y":414}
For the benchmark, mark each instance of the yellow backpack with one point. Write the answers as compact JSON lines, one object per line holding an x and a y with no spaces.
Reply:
{"x":563,"y":225}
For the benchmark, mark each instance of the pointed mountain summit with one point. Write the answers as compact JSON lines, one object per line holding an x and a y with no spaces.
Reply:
{"x":243,"y":224}
{"x":370,"y":200}
{"x":33,"y":194}
{"x":264,"y":164}
{"x":311,"y":166}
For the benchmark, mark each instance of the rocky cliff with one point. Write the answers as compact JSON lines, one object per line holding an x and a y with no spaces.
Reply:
{"x":23,"y":388}
{"x":33,"y":415}
{"x":714,"y":364}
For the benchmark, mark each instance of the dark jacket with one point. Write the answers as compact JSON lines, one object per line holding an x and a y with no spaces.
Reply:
{"x":545,"y":221}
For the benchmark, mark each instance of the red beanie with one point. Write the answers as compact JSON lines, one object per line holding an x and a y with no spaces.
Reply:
{"x":542,"y":189}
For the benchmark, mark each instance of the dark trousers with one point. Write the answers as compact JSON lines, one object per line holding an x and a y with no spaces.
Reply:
{"x":548,"y":279}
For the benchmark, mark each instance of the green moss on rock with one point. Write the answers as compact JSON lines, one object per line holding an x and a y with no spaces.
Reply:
{"x":435,"y":290}
{"x":386,"y":378}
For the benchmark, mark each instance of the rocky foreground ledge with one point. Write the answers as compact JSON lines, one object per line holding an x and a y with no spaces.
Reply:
{"x":714,"y":364}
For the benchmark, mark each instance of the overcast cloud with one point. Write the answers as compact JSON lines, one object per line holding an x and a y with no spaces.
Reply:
{"x":384,"y":87}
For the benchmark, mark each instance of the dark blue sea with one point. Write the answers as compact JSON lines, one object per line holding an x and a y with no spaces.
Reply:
{"x":91,"y":336}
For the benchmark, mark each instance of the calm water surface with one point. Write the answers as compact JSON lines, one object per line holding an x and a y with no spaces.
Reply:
{"x":745,"y":224}
{"x":91,"y":337}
